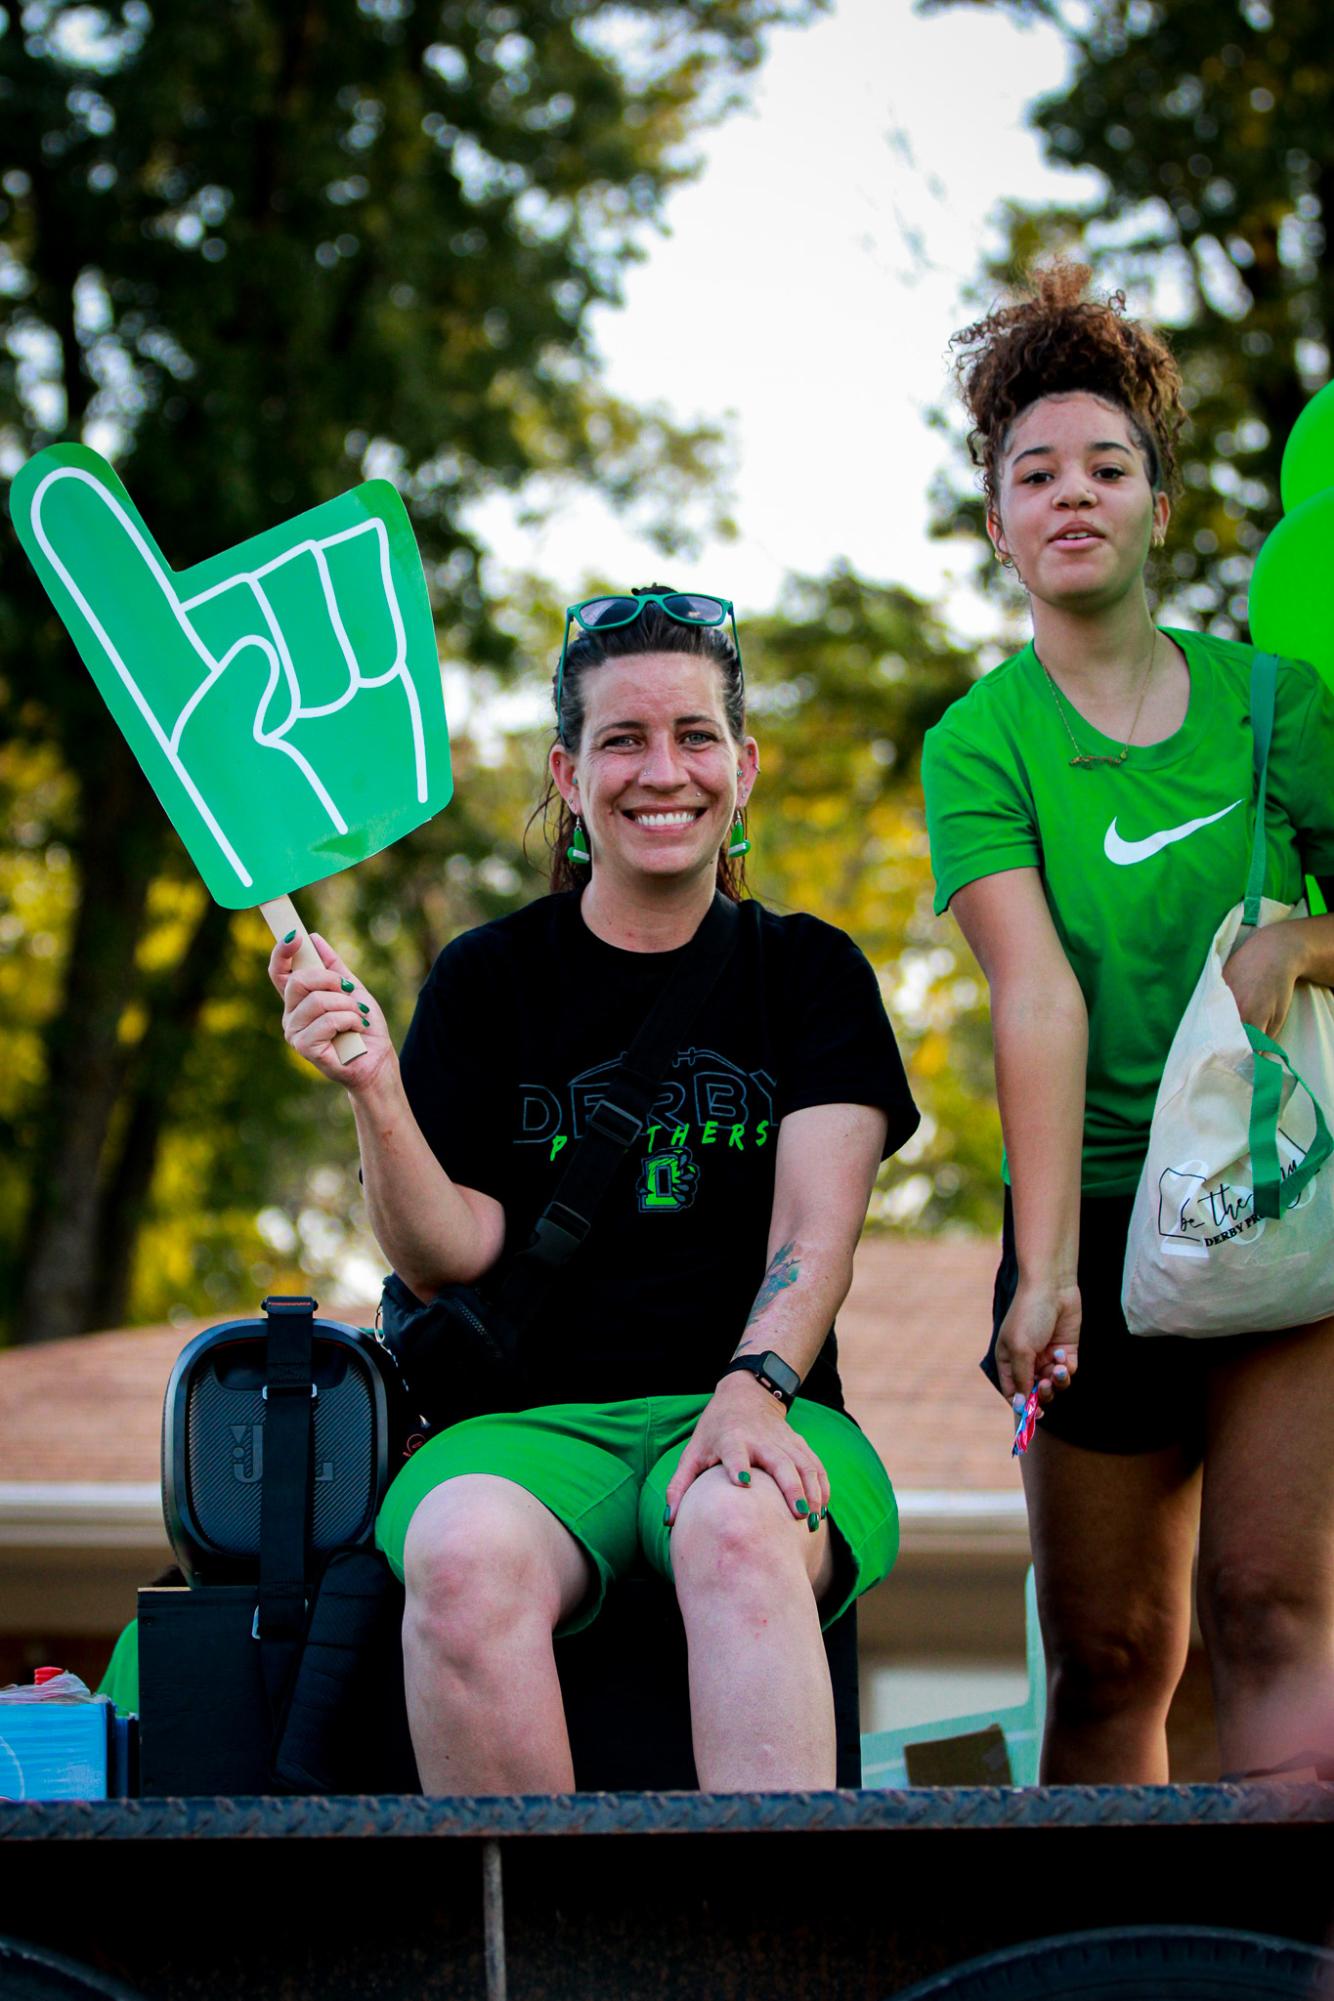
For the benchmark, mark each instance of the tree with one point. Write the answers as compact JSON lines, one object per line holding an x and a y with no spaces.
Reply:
{"x":257,"y":251}
{"x":845,"y":682}
{"x":1209,"y":123}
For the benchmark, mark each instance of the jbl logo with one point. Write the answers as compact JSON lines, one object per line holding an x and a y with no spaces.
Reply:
{"x":248,"y":1456}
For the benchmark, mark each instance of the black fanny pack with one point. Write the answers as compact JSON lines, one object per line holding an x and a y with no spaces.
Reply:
{"x":461,"y":1352}
{"x":458,"y":1352}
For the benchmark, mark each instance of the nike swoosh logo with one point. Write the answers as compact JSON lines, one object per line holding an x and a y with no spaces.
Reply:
{"x":1125,"y":852}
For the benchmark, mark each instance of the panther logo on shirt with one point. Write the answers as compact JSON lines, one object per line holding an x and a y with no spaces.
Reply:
{"x":668,"y":1182}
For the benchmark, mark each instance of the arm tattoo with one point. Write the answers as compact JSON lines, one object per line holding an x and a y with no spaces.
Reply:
{"x":783,"y":1271}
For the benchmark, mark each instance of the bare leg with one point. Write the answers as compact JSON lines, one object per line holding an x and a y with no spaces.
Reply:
{"x":1113,"y":1539}
{"x":749,"y":1578}
{"x":490,"y":1574}
{"x":1266,"y":1583}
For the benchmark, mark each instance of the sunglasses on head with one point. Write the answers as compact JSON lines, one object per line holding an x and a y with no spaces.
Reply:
{"x":600,"y":614}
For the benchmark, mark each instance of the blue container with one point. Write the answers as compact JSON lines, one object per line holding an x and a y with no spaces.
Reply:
{"x":54,"y":1750}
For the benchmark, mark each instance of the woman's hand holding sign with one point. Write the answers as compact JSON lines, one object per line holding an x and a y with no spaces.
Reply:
{"x":320,"y":1005}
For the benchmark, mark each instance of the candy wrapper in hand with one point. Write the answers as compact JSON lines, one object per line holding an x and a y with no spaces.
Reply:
{"x":1026,"y":1415}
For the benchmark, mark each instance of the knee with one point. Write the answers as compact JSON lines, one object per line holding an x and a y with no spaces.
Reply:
{"x":470,"y":1577}
{"x":736,"y":1541}
{"x":1256,"y":1621}
{"x":1102,"y":1669}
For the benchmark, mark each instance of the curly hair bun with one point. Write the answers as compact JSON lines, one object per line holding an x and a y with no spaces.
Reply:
{"x":1055,"y":341}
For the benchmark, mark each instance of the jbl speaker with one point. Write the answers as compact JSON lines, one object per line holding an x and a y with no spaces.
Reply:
{"x":213,"y":1444}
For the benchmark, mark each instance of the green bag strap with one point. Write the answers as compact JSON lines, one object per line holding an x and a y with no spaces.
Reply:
{"x":1264,"y":681}
{"x":1275,"y":1191}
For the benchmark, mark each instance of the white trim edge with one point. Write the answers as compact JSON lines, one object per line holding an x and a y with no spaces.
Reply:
{"x":939,"y":1523}
{"x":107,"y":1515}
{"x":80,"y":1515}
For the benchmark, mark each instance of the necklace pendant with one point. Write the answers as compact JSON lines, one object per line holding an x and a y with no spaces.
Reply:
{"x":1092,"y":757}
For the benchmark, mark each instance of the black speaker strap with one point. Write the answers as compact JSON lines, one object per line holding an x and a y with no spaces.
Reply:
{"x":617,"y":1121}
{"x":285,"y":1494}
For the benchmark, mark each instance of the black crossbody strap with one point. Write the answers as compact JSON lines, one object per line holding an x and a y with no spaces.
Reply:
{"x":618,"y":1120}
{"x":284,"y":1506}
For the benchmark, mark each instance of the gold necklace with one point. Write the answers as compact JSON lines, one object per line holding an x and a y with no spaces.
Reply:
{"x":1096,"y":757}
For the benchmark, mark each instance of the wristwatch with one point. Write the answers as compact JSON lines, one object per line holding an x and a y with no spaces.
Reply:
{"x":772,"y":1372}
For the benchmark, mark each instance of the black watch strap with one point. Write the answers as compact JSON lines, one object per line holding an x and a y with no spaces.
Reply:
{"x":772,"y":1372}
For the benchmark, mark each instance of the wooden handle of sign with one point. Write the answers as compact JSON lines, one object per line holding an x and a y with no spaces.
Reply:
{"x":280,"y":916}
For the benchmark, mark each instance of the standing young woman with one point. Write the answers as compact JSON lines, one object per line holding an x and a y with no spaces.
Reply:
{"x":1090,"y":809}
{"x":683,"y":1400}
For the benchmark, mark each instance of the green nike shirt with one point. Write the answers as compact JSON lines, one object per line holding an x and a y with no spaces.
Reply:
{"x":1140,"y":861}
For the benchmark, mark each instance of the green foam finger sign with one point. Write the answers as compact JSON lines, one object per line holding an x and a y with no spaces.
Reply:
{"x":1292,"y":587}
{"x":283,"y":698}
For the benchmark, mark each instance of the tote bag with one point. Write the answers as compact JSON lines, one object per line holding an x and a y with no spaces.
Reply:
{"x":1232,"y":1230}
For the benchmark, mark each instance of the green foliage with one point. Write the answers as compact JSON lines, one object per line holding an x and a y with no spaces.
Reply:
{"x":1209,"y":122}
{"x":272,"y":254}
{"x":844,"y":682}
{"x":37,"y":897}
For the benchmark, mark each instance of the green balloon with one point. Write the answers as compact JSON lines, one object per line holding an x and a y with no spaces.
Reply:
{"x":1292,"y":587}
{"x":1308,"y":457}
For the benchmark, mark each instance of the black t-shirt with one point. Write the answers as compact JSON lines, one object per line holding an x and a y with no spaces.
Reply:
{"x":516,"y":1034}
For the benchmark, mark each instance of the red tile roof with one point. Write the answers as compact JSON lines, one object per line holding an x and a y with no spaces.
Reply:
{"x":910,"y":1335}
{"x":88,"y":1409}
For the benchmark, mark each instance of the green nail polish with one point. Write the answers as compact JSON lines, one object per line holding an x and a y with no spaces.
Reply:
{"x":346,"y":985}
{"x":290,"y":936}
{"x":803,"y":1506}
{"x":667,"y":1517}
{"x":364,"y":1008}
{"x":823,"y":1513}
{"x":813,"y":1523}
{"x":743,"y":1479}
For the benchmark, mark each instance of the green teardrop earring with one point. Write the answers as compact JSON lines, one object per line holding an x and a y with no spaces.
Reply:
{"x":738,"y":845}
{"x":577,"y":852}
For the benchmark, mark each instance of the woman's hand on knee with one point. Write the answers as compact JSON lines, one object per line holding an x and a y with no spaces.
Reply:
{"x":1039,"y":1341}
{"x":741,"y":1427}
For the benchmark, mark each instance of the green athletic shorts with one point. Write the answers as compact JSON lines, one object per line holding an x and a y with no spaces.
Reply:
{"x":603,"y":1470}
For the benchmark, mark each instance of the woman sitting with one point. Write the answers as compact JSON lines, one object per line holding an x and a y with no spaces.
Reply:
{"x":682,"y":1399}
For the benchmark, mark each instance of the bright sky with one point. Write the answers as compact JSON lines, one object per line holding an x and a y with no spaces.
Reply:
{"x":806,"y":294}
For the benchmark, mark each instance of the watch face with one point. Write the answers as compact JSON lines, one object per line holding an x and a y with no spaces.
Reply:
{"x":782,"y":1373}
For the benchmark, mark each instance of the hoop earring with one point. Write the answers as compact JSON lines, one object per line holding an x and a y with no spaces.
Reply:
{"x":738,"y":845}
{"x":577,"y":852}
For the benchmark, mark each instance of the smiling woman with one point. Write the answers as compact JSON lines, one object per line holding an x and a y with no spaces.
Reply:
{"x":698,"y":697}
{"x":1088,"y":809}
{"x":678,"y":1401}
